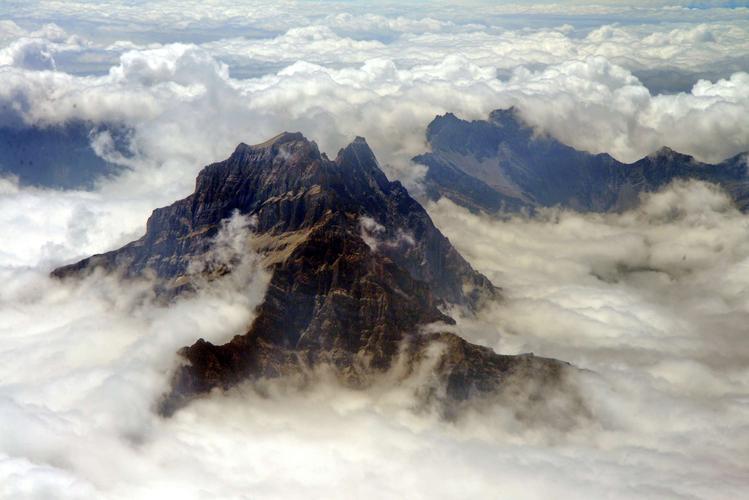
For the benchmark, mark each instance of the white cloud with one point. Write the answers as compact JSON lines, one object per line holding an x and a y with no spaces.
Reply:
{"x":709,"y":46}
{"x":600,"y":107}
{"x":611,"y":293}
{"x":29,"y":54}
{"x":315,"y":43}
{"x":85,"y":363}
{"x":35,"y":50}
{"x":185,"y":111}
{"x":654,"y":301}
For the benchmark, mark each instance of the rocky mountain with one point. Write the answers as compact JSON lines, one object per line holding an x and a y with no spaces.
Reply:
{"x":357,"y":271}
{"x":58,"y":156}
{"x":502,"y":164}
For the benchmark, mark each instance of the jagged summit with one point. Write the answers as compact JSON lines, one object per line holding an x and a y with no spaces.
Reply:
{"x":284,"y":147}
{"x":290,"y":190}
{"x":666,"y":154}
{"x":509,"y":118}
{"x":357,"y":270}
{"x":664,"y":151}
{"x":282,"y":138}
{"x":286,"y":144}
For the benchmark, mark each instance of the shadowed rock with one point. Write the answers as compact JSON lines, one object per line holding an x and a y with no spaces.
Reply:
{"x":357,"y":269}
{"x":503,"y":165}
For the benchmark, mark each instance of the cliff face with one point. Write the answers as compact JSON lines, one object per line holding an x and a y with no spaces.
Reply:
{"x":290,"y":188}
{"x":357,"y":268}
{"x":502,"y":164}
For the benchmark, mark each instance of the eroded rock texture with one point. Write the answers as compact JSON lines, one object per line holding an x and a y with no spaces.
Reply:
{"x":357,"y":269}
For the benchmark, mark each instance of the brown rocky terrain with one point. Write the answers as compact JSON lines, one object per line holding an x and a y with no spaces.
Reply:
{"x":357,"y":270}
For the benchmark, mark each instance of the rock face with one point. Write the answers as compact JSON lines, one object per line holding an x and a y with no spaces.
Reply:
{"x":502,"y":164}
{"x":357,"y":269}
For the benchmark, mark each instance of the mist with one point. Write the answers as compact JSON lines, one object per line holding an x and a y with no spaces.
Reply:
{"x":651,"y":306}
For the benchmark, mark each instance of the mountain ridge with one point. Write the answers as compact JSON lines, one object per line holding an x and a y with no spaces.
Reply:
{"x":504,"y":165}
{"x":358,"y":270}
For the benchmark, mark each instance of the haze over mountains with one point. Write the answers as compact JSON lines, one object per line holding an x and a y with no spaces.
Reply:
{"x":58,"y":156}
{"x":495,"y":165}
{"x":502,"y":164}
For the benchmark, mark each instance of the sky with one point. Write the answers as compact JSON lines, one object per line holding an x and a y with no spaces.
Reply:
{"x":650,"y":304}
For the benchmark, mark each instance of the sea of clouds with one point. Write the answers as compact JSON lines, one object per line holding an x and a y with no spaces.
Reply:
{"x":651,"y":304}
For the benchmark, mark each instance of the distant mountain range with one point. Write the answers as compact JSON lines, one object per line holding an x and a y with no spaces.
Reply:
{"x":503,"y":165}
{"x":58,"y":156}
{"x":358,"y":269}
{"x":495,"y":165}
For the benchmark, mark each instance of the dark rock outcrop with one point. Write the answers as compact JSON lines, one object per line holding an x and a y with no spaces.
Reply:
{"x":357,"y":269}
{"x":503,"y":165}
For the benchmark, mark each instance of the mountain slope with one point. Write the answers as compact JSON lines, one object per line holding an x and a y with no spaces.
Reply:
{"x":357,"y":268}
{"x":503,"y":165}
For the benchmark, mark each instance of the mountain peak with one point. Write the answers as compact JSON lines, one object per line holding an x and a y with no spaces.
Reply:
{"x":501,"y":164}
{"x":359,"y":144}
{"x":284,"y":146}
{"x":664,"y":151}
{"x":288,"y":186}
{"x":358,"y":152}
{"x":507,"y":117}
{"x":478,"y":138}
{"x":283,"y":138}
{"x":357,"y":269}
{"x":667,"y":154}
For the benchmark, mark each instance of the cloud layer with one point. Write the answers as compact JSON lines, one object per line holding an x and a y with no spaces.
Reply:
{"x":652,"y":303}
{"x":655,"y":302}
{"x":332,"y":86}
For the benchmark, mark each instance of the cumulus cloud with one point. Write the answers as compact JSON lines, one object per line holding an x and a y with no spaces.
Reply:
{"x":600,"y":107}
{"x":374,"y":235}
{"x":333,"y":87}
{"x":35,"y":50}
{"x":652,"y":303}
{"x":172,"y":15}
{"x":85,"y":362}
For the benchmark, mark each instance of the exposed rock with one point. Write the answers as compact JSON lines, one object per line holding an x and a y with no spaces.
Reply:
{"x":357,"y":268}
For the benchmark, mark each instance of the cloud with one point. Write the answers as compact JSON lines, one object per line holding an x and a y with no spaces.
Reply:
{"x":173,"y":15}
{"x":652,"y":302}
{"x":318,"y":44}
{"x":374,"y":235}
{"x":383,"y":77}
{"x":28,"y":54}
{"x":166,"y":95}
{"x":35,"y":50}
{"x":392,"y":90}
{"x":85,"y":362}
{"x":82,"y":364}
{"x":709,"y":46}
{"x":600,"y":107}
